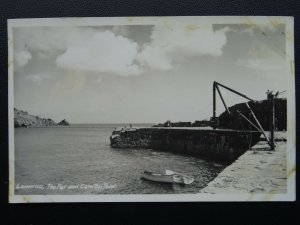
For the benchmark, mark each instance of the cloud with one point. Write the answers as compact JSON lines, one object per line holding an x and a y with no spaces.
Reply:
{"x":121,"y":30}
{"x":103,"y":52}
{"x":37,"y":78}
{"x":110,"y":53}
{"x":47,"y":40}
{"x":262,"y":64}
{"x":22,"y":58}
{"x":263,"y":29}
{"x":263,"y":58}
{"x":171,"y":43}
{"x":114,"y":51}
{"x":155,"y":58}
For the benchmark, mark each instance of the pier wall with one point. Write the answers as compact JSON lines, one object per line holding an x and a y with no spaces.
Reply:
{"x":220,"y":145}
{"x":257,"y":171}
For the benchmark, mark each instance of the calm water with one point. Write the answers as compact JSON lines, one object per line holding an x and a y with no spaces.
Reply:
{"x":79,"y":160}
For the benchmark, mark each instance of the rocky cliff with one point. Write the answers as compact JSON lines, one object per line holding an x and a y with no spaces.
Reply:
{"x":24,"y":119}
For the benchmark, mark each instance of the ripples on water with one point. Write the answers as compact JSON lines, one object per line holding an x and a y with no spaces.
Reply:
{"x":81,"y":154}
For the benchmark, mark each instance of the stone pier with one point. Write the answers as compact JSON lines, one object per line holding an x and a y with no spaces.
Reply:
{"x":220,"y":145}
{"x":257,"y":171}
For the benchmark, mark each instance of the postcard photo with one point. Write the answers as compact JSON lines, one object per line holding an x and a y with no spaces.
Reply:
{"x":139,"y":109}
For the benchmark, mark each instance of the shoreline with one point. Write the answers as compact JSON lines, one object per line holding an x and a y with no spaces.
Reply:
{"x":257,"y":171}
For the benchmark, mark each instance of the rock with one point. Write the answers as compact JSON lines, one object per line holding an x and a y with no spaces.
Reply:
{"x":63,"y":123}
{"x":24,"y":119}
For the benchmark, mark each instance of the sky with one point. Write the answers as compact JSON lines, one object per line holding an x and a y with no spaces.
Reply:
{"x":143,"y":73}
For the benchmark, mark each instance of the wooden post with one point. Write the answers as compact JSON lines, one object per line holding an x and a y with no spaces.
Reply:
{"x":272,"y":122}
{"x":214,"y":105}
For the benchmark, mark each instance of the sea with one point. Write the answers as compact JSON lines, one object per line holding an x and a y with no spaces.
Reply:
{"x":78,"y":159}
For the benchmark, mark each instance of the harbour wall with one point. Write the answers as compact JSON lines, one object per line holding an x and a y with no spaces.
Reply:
{"x":257,"y":171}
{"x":218,"y":145}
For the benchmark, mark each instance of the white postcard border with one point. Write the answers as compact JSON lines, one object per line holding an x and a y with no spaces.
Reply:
{"x":90,"y":21}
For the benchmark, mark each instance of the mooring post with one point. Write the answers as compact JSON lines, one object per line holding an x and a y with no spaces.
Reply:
{"x":214,"y":105}
{"x":271,"y":97}
{"x":272,"y":121}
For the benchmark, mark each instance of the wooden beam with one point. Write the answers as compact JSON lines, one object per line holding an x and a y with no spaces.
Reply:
{"x":250,"y":121}
{"x":234,"y":91}
{"x":258,"y":123}
{"x":222,"y":100}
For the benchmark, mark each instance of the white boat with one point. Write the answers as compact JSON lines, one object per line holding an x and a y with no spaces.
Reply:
{"x":180,"y":178}
{"x":168,"y":177}
{"x":165,"y":178}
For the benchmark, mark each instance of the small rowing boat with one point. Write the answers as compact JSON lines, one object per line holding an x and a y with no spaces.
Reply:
{"x":180,"y":178}
{"x":158,"y":177}
{"x":168,"y":177}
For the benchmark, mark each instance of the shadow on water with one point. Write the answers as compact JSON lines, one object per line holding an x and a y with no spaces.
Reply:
{"x":159,"y":185}
{"x":168,"y":188}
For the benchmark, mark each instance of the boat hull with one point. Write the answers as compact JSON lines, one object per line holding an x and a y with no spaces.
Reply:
{"x":168,"y":177}
{"x":158,"y":178}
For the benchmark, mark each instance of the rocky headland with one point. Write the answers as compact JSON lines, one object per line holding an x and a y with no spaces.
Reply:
{"x":24,"y":119}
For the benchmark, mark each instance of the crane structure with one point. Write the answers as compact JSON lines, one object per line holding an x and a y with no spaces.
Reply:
{"x":270,"y":96}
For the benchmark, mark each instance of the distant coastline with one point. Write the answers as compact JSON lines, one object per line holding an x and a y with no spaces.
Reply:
{"x":24,"y":119}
